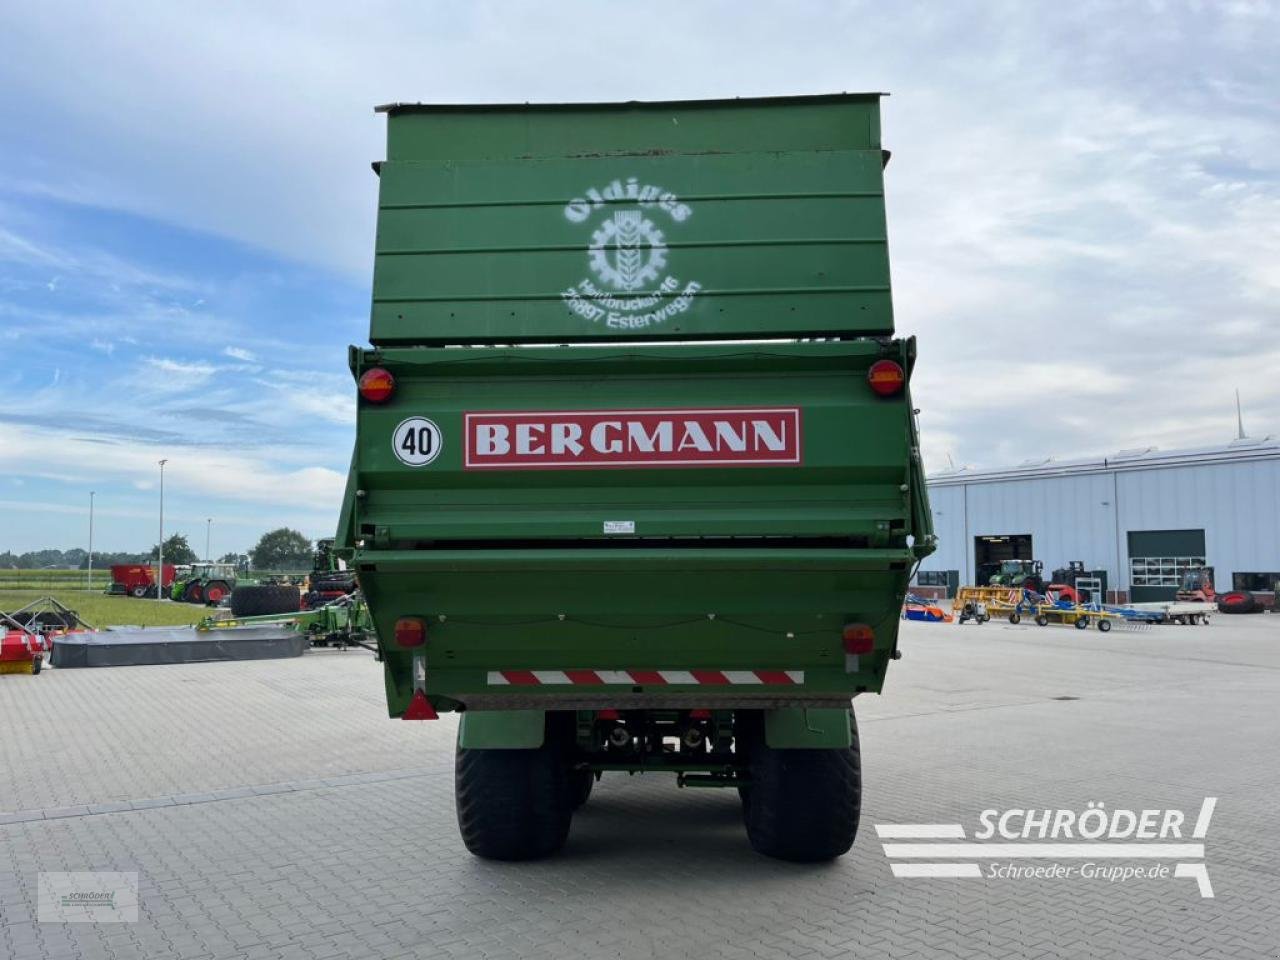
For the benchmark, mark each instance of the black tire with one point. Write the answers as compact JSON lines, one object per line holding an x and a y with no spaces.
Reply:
{"x":1237,"y":601}
{"x":138,"y":592}
{"x":260,"y":599}
{"x":1041,"y":620}
{"x":985,"y":618}
{"x":37,"y":663}
{"x":800,"y":805}
{"x":1015,"y":618}
{"x":580,"y":784}
{"x":193,"y":593}
{"x":516,"y":804}
{"x":1082,"y":623}
{"x":1104,"y":625}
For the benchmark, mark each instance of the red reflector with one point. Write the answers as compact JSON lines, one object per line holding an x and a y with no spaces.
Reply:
{"x":606,"y":714}
{"x":699,"y":714}
{"x":419,"y":708}
{"x":858,"y":638}
{"x":411,"y":632}
{"x":377,"y":385}
{"x":886,"y":378}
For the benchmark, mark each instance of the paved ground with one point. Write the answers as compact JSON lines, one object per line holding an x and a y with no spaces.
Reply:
{"x":272,"y":811}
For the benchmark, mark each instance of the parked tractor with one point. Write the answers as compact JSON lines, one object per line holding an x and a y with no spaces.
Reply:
{"x":1028,"y":574}
{"x":207,"y":583}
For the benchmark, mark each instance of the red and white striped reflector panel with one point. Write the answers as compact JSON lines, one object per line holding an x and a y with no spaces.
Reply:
{"x":651,"y":678}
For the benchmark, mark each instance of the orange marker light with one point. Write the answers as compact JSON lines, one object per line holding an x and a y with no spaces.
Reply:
{"x":377,"y":385}
{"x":886,"y":378}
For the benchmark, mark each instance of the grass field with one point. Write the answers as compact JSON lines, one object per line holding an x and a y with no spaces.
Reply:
{"x":49,"y":580}
{"x":103,"y":611}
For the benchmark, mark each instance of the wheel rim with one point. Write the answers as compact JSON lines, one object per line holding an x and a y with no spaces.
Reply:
{"x":215,"y":594}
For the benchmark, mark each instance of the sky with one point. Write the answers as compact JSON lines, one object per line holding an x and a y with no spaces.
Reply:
{"x":1083,"y":207}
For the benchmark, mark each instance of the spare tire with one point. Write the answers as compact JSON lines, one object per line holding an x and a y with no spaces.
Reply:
{"x":259,"y":599}
{"x":1237,"y":601}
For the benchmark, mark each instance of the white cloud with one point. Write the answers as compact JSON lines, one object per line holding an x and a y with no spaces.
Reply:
{"x":237,"y":477}
{"x":1085,"y":229}
{"x":240,"y":353}
{"x":190,"y":374}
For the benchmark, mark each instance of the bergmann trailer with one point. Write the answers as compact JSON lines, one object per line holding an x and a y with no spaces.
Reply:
{"x":636,"y":483}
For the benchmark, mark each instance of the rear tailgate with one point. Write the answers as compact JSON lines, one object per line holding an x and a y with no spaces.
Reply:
{"x":677,"y":523}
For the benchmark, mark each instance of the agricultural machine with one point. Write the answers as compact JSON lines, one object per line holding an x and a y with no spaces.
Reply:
{"x":27,"y":634}
{"x":139,"y":579}
{"x":207,"y":583}
{"x":1028,"y":574}
{"x":343,"y":623}
{"x":1197,"y":585}
{"x":329,"y":580}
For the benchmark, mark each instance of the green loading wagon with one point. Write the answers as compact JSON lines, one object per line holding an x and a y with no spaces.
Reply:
{"x":636,"y":482}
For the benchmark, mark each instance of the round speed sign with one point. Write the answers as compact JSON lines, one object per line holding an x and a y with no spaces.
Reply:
{"x":416,"y":441}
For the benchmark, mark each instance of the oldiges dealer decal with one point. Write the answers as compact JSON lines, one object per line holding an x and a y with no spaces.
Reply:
{"x":723,"y":437}
{"x":1115,"y":846}
{"x":628,"y":255}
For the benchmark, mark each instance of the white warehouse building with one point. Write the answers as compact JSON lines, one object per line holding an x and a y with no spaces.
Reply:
{"x":1141,"y":518}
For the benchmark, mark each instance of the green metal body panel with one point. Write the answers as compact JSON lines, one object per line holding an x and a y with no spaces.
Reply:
{"x":792,"y":728}
{"x":645,"y":576}
{"x":756,"y":217}
{"x":501,"y":729}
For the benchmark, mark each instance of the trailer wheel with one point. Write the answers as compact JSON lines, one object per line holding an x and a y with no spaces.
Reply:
{"x":516,"y":804}
{"x":580,"y":784}
{"x":260,"y":599}
{"x":1104,"y":625}
{"x":1041,"y":620}
{"x":1015,"y":618}
{"x":1082,"y":623}
{"x":37,"y":662}
{"x":801,"y":805}
{"x":138,"y":592}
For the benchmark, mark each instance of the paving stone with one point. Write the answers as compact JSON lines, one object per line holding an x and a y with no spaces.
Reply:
{"x":272,"y":810}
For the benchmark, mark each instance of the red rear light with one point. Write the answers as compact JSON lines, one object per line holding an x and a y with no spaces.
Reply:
{"x":377,"y":385}
{"x":858,"y":638}
{"x":410,"y":632}
{"x":886,"y":378}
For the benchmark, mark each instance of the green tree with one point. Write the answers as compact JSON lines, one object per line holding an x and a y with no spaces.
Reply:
{"x":282,"y":549}
{"x":176,"y":550}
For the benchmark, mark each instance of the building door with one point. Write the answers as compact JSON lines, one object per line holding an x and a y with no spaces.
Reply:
{"x":1158,"y":559}
{"x":991,"y":550}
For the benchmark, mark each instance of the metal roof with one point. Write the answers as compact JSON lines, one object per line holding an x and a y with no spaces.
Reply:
{"x":403,"y":107}
{"x":1148,"y":458}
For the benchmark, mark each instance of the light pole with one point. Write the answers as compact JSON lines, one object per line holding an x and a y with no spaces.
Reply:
{"x":160,"y":546}
{"x":88,"y":582}
{"x":208,"y":530}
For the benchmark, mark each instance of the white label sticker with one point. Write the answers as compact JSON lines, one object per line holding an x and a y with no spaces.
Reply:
{"x":619,"y":526}
{"x":416,"y":441}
